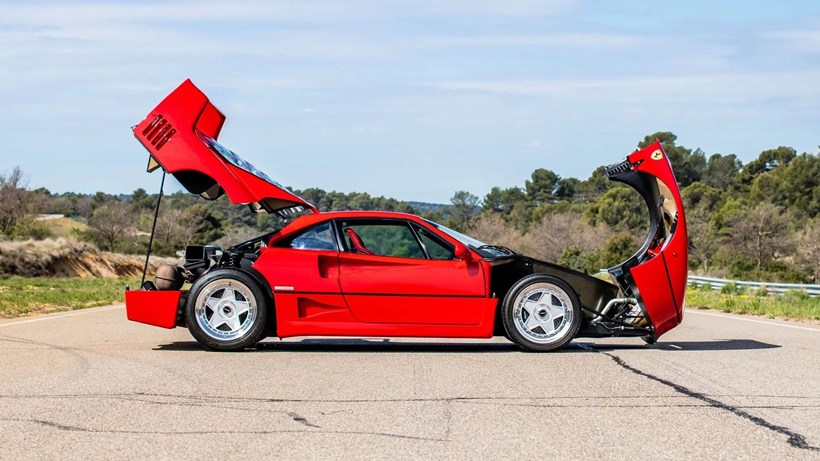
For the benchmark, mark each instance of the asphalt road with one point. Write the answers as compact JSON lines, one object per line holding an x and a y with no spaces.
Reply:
{"x":91,"y":385}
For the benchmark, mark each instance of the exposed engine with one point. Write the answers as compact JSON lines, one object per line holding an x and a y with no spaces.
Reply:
{"x":199,"y":259}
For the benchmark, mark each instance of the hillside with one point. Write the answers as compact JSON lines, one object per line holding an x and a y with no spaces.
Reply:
{"x":67,"y":258}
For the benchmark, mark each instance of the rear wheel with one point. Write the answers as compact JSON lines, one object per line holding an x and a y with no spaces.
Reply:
{"x":226,"y":310}
{"x":541,"y":313}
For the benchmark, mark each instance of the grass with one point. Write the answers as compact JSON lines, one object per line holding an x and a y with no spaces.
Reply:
{"x":792,"y":304}
{"x":64,"y":227}
{"x":21,"y":296}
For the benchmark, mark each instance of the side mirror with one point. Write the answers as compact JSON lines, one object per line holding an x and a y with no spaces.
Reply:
{"x":462,"y":252}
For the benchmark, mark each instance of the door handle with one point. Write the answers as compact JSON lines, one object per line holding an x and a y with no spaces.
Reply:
{"x":328,"y":266}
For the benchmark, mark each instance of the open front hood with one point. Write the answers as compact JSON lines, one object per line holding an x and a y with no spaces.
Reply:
{"x":180,"y":135}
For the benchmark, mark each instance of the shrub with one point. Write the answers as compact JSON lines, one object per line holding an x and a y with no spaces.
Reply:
{"x":582,"y":261}
{"x":742,"y":267}
{"x":729,"y":288}
{"x":795,"y":296}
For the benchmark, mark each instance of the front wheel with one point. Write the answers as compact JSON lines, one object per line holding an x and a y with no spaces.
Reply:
{"x":226,"y":310}
{"x":541,"y":313}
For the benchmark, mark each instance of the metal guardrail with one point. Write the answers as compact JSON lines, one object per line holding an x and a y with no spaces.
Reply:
{"x":771,"y":287}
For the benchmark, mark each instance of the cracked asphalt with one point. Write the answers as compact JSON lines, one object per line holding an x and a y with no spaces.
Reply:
{"x":91,"y":385}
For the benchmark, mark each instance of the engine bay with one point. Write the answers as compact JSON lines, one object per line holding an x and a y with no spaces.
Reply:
{"x":199,"y":259}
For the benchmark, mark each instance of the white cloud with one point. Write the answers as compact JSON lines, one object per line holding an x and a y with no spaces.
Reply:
{"x":564,"y":40}
{"x":66,"y":13}
{"x":514,"y":8}
{"x":302,"y":11}
{"x":717,"y":88}
{"x":799,"y":39}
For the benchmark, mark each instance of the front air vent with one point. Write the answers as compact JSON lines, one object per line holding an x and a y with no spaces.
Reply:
{"x":159,"y":132}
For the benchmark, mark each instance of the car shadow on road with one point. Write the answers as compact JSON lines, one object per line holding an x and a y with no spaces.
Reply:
{"x":684,"y":346}
{"x":390,"y":346}
{"x":371,"y":346}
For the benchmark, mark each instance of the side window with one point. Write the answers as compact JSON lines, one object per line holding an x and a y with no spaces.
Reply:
{"x":318,"y":237}
{"x":434,"y":246}
{"x":381,"y":238}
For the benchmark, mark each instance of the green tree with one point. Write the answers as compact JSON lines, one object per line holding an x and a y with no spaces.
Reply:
{"x":700,"y":195}
{"x":503,"y":200}
{"x":767,"y":161}
{"x":595,"y":185}
{"x":110,"y":224}
{"x":140,"y":200}
{"x":16,"y":202}
{"x":795,"y":185}
{"x":700,"y":202}
{"x":464,"y":206}
{"x":617,"y":250}
{"x":762,"y":233}
{"x":621,"y":208}
{"x":809,"y":255}
{"x":541,"y":186}
{"x":567,"y":188}
{"x":688,"y":165}
{"x":721,"y":171}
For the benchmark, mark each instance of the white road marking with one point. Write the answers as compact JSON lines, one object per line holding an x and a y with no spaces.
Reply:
{"x":72,"y":314}
{"x":675,"y":346}
{"x":733,"y":317}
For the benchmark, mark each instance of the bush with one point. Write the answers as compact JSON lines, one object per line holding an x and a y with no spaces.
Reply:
{"x":762,"y":292}
{"x":31,"y":229}
{"x":582,"y":261}
{"x":618,"y":249}
{"x":782,"y":271}
{"x":795,"y":296}
{"x":729,"y":288}
{"x":739,"y":268}
{"x":693,"y":285}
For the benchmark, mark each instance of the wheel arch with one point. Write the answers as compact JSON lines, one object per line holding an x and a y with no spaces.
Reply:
{"x":270,"y":327}
{"x":593,"y":293}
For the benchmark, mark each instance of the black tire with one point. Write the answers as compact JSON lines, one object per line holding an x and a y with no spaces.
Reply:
{"x":554,"y":322}
{"x":226,"y":310}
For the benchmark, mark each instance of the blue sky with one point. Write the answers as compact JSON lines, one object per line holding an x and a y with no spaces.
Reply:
{"x":408,"y":99}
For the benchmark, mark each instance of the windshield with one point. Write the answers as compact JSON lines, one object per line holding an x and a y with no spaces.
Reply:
{"x":487,"y":251}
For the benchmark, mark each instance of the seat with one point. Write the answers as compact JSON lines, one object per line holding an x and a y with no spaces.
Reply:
{"x":356,"y":241}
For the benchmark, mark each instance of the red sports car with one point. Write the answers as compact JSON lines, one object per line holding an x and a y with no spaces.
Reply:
{"x":373,"y":273}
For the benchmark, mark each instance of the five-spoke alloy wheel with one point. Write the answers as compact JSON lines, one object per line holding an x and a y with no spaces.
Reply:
{"x":541,"y":313}
{"x":226,"y":310}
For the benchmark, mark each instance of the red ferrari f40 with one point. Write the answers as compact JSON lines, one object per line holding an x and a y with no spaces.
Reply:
{"x":386,"y":274}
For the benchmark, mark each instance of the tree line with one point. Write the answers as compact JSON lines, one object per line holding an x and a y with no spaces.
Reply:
{"x":754,"y":221}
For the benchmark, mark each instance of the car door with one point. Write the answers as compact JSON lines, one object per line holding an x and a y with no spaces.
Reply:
{"x":303,"y":272}
{"x":388,"y":274}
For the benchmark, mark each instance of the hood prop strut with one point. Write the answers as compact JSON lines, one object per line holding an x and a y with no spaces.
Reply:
{"x":153,"y":229}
